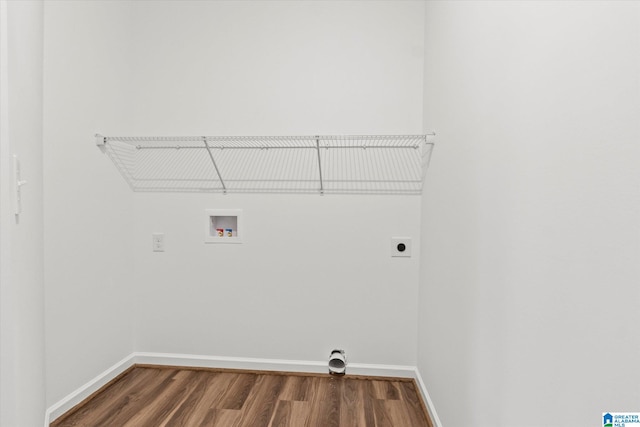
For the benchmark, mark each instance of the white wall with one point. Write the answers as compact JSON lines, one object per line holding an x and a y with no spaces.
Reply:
{"x":88,"y":211}
{"x":531,"y":239}
{"x":313,"y":272}
{"x":22,"y":397}
{"x":277,"y":67}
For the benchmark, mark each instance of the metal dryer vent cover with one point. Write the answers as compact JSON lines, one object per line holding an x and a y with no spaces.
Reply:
{"x":337,"y":362}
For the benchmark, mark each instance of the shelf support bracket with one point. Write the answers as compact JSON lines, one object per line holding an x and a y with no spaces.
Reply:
{"x":100,"y":140}
{"x":206,"y":144}
{"x":319,"y":165}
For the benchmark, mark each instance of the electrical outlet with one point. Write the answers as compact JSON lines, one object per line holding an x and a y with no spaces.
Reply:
{"x":158,"y":242}
{"x":401,"y":247}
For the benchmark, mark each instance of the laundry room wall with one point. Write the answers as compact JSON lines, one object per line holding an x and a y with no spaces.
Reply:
{"x":313,"y":272}
{"x":88,"y":218}
{"x":529,"y":278}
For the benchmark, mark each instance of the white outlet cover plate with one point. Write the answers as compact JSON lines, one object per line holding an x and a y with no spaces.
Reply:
{"x":395,"y":241}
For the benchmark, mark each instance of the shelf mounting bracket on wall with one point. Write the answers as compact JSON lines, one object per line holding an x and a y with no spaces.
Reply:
{"x":320,"y":164}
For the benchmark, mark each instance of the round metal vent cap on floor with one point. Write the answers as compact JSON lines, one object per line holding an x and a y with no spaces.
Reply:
{"x":337,"y":362}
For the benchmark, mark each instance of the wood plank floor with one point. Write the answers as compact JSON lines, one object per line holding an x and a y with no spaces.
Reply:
{"x":165,"y":396}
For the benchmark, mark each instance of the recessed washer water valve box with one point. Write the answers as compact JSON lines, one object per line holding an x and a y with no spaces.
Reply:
{"x":401,"y":247}
{"x":223,"y":226}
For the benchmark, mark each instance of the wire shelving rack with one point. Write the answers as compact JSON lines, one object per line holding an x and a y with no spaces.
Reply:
{"x":324,"y":164}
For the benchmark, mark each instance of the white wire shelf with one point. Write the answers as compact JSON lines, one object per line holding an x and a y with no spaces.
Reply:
{"x":356,"y":164}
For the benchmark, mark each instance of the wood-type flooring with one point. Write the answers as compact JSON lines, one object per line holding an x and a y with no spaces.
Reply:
{"x":147,"y":396}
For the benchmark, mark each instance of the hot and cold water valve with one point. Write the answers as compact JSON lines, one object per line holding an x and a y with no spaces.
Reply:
{"x":337,"y":362}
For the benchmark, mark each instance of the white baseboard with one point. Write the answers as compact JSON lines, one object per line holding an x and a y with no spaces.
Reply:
{"x":246,"y":363}
{"x":306,"y":366}
{"x":71,"y":400}
{"x":198,"y":361}
{"x":427,"y":399}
